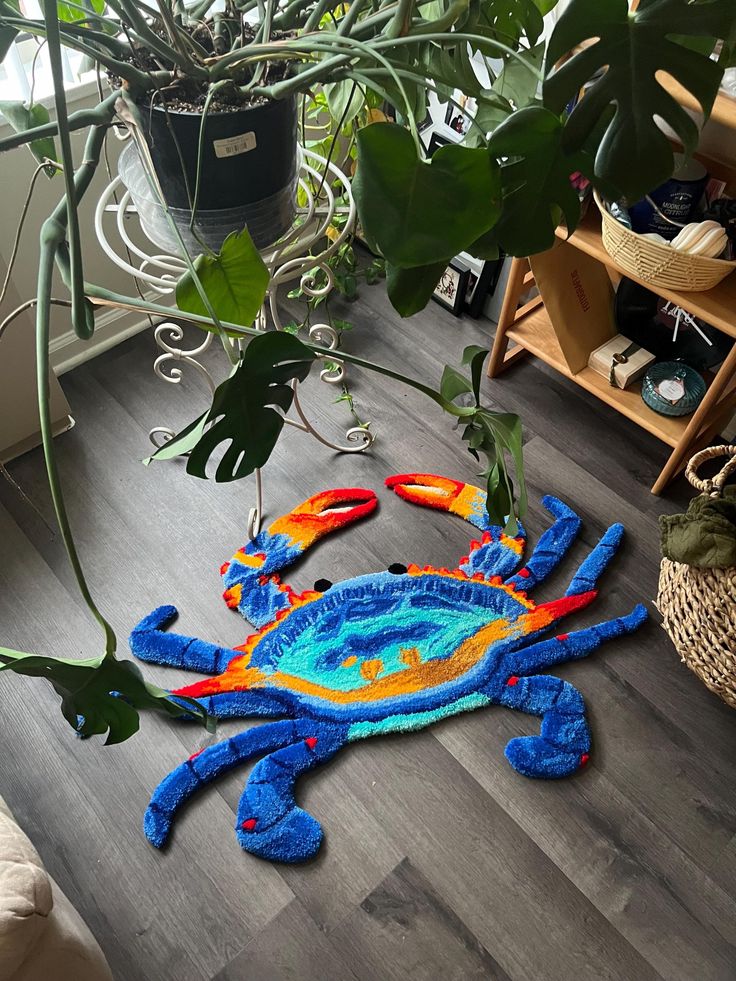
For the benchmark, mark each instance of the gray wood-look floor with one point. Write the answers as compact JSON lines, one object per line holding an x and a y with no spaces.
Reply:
{"x":439,"y":862}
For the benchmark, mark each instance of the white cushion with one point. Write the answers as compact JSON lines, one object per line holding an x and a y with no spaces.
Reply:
{"x":42,"y":936}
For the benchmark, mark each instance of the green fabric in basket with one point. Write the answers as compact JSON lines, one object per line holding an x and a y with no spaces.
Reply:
{"x":705,"y":536}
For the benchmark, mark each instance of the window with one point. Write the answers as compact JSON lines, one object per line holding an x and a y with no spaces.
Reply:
{"x":26,"y":69}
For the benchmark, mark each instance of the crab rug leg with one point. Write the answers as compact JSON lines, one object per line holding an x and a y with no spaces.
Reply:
{"x":572,"y":647}
{"x":205,"y":766}
{"x":563,"y":744}
{"x":252,"y":583}
{"x":551,"y":548}
{"x":151,"y":642}
{"x":270,"y":823}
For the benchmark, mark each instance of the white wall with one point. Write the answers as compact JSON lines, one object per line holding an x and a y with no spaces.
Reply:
{"x":16,"y":167}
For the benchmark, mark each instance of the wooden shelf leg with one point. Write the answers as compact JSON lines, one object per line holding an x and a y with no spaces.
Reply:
{"x":514,"y":287}
{"x":699,"y":420}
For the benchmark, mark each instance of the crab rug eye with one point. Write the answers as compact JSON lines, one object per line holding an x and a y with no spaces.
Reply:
{"x":397,"y":569}
{"x":322,"y":585}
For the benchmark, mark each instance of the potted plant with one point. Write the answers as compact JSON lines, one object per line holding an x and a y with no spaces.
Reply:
{"x":203,"y":88}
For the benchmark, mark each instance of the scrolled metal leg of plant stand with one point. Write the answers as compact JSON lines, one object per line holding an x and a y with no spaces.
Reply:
{"x":301,"y":256}
{"x":166,"y":367}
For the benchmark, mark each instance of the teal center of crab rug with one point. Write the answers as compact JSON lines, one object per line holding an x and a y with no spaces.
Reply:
{"x":392,"y":651}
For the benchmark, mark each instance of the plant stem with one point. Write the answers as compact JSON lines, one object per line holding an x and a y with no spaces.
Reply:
{"x":318,"y":11}
{"x":77,"y":120}
{"x":118,"y":67}
{"x":354,"y":11}
{"x":52,"y":235}
{"x":82,"y":316}
{"x":19,"y":229}
{"x":108,"y":298}
{"x":399,"y":23}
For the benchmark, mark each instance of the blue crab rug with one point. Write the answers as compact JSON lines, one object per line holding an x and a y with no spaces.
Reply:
{"x":392,"y":651}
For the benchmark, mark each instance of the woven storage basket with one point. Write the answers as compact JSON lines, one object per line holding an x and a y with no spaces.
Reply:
{"x":698,"y":606}
{"x":660,"y":265}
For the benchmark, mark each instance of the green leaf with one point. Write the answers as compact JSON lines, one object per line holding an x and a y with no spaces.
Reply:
{"x":71,"y":14}
{"x":536,"y":184}
{"x":8,"y":35}
{"x":453,"y":384}
{"x":419,"y":212}
{"x":102,"y":694}
{"x":410,"y":290}
{"x":634,"y":154}
{"x":451,"y":68}
{"x":493,"y":109}
{"x":515,"y":87}
{"x":247,"y":410}
{"x":22,"y":118}
{"x":344,"y":97}
{"x":508,"y":21}
{"x":474,"y":355}
{"x":235,"y":282}
{"x":518,"y":81}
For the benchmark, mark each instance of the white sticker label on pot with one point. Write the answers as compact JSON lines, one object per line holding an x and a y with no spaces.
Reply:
{"x":234,"y":145}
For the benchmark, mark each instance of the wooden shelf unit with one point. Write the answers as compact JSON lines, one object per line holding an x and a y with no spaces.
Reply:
{"x":530,"y":330}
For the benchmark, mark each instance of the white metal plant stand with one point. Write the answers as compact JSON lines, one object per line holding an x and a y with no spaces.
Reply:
{"x":297,"y":256}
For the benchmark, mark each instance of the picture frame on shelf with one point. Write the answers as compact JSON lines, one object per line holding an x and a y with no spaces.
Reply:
{"x":436,"y":140}
{"x":451,"y":290}
{"x":483,"y":277}
{"x":455,"y":118}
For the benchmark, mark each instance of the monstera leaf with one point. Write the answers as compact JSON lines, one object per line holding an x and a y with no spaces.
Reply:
{"x":411,"y":289}
{"x":418,"y":212}
{"x":537,"y":183}
{"x":634,"y":154}
{"x":509,"y":20}
{"x":514,"y":88}
{"x":235,"y":282}
{"x":247,"y":410}
{"x":100,"y":695}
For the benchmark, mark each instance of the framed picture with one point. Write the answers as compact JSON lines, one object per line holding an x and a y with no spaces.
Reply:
{"x":458,"y":121}
{"x":452,"y":288}
{"x":435,"y":142}
{"x":482,"y":280}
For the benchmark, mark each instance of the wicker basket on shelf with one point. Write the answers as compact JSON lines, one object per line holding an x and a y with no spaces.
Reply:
{"x":659,"y":265}
{"x":698,"y":606}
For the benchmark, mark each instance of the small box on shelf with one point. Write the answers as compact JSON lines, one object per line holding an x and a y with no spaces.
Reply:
{"x":620,"y":360}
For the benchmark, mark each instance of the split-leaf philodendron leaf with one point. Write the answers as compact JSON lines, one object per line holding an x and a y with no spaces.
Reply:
{"x":509,"y":20}
{"x":410,"y":289}
{"x":100,"y":695}
{"x":419,"y":212}
{"x":634,"y":154}
{"x":536,"y":185}
{"x":235,"y":282}
{"x":247,"y":410}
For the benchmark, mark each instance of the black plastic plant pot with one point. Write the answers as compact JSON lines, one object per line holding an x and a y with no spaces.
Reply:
{"x":248,"y":163}
{"x":247,"y":155}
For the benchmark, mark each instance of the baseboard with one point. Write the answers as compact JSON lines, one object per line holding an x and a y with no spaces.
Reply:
{"x":111,"y":327}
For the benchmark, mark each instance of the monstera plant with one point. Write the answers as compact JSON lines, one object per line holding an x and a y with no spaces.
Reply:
{"x":176,"y":70}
